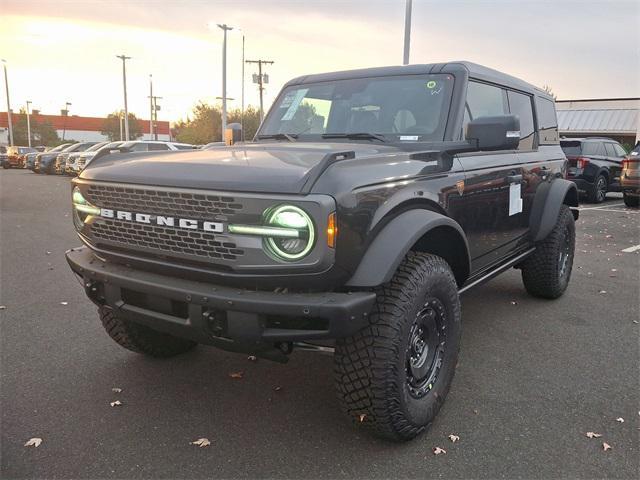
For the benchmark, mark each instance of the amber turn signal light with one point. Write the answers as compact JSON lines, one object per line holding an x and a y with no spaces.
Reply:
{"x":332,"y":230}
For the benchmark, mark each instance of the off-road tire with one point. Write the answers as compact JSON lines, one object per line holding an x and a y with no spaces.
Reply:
{"x":631,"y":201}
{"x":141,"y":339}
{"x":599,"y":192}
{"x":371,"y":368}
{"x":543,"y":273}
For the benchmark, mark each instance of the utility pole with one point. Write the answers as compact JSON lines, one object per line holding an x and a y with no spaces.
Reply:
{"x":120,"y":122}
{"x":6,"y":86}
{"x":407,"y":33}
{"x":28,"y":123}
{"x":65,"y":113}
{"x":225,"y":28}
{"x":151,"y":109}
{"x":124,"y":59}
{"x":261,"y":79}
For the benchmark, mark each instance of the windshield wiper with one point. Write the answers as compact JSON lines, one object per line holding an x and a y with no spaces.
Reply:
{"x":278,"y":136}
{"x":356,"y":136}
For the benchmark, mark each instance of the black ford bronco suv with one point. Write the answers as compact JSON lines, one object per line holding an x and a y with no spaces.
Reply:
{"x":367,"y":202}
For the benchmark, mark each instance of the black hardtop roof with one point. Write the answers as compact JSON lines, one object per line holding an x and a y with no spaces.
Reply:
{"x":474,"y":70}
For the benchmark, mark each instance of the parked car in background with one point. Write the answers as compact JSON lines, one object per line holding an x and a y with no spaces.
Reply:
{"x":60,"y":163}
{"x":3,"y":154}
{"x":144,"y":146}
{"x":15,"y":156}
{"x":44,"y":159}
{"x":85,"y":157}
{"x":630,"y":177}
{"x":71,"y":167}
{"x":594,"y":165}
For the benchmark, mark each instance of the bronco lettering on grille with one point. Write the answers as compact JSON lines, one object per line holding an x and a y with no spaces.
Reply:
{"x":160,"y":220}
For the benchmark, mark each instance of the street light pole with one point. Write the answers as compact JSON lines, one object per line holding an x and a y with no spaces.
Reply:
{"x":242,"y":105}
{"x":28,"y":123}
{"x":6,"y":85}
{"x":124,"y":59}
{"x":407,"y":33}
{"x":225,"y":29}
{"x":150,"y":107}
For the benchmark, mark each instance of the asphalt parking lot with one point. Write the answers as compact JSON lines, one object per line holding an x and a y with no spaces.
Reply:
{"x":534,"y":376}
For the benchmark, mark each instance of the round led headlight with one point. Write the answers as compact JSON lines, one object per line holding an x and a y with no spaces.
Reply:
{"x":294,"y":219}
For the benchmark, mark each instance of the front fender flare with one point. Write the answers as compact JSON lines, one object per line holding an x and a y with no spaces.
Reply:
{"x":393,"y":242}
{"x":546,"y":206}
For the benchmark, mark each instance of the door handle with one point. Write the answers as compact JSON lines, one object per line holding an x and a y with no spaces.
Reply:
{"x":514,"y":179}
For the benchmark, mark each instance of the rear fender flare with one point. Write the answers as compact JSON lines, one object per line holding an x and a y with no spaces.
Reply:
{"x":546,"y":206}
{"x":393,"y":242}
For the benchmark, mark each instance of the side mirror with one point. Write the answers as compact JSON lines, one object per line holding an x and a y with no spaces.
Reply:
{"x":494,"y":133}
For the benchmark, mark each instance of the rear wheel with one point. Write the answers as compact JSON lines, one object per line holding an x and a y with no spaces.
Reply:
{"x":631,"y":200}
{"x":599,"y":192}
{"x":547,"y":271}
{"x":141,"y":339}
{"x":392,"y":377}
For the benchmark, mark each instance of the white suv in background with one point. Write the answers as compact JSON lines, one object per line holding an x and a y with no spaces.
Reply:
{"x":132,"y":146}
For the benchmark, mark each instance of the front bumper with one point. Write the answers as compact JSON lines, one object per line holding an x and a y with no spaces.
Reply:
{"x":230,"y":318}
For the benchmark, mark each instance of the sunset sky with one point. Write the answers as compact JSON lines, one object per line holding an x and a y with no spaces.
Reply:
{"x":61,"y":50}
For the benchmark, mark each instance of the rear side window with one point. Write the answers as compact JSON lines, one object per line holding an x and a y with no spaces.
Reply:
{"x":520,"y":105}
{"x":593,"y":148}
{"x":547,"y":121}
{"x":608,"y":148}
{"x":619,"y":151}
{"x":157,"y":146}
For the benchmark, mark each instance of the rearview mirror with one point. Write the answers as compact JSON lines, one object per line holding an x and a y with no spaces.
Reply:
{"x":494,"y":133}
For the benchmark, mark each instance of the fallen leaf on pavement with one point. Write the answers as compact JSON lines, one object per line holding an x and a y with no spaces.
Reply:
{"x":606,"y":446}
{"x":2,"y":307}
{"x":252,"y":358}
{"x":513,"y":302}
{"x":277,"y":388}
{"x":362,"y":417}
{"x":64,"y":303}
{"x":454,"y":438}
{"x":201,"y":442}
{"x":620,"y":419}
{"x":593,"y":435}
{"x":438,"y":450}
{"x":116,"y":390}
{"x":602,"y":292}
{"x":117,"y":403}
{"x":33,"y":442}
{"x":236,"y":375}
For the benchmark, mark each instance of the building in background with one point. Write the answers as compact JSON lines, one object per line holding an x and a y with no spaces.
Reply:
{"x":617,"y":118}
{"x":82,"y":129}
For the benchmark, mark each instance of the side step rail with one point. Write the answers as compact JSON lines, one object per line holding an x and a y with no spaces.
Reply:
{"x":498,"y":270}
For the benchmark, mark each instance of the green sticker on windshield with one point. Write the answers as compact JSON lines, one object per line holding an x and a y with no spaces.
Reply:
{"x":431,"y":84}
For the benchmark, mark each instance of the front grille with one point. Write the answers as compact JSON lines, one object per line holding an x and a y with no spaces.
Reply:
{"x":163,"y":202}
{"x":165,"y":240}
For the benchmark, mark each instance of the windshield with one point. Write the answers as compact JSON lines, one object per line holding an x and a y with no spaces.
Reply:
{"x":400,"y":108}
{"x":95,"y":147}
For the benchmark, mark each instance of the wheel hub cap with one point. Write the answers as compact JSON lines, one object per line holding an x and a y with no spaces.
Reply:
{"x":425,"y":348}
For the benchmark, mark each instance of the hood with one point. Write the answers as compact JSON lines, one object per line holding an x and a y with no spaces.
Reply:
{"x":261,"y":167}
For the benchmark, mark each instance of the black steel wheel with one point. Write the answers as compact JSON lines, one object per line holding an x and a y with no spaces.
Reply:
{"x":392,"y":377}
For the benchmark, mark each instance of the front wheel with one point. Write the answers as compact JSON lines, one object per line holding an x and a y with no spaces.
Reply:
{"x":141,"y":339}
{"x":547,"y":271}
{"x":392,"y":377}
